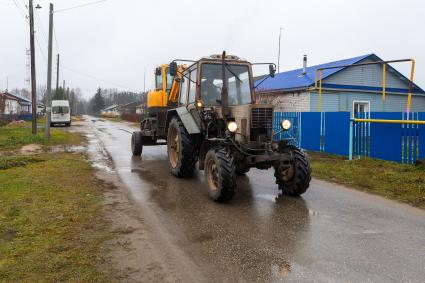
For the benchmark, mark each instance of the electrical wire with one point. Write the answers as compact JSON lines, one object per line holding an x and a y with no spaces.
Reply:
{"x":20,"y":9}
{"x":96,"y":78}
{"x":80,"y":6}
{"x":40,"y":23}
{"x":56,"y":39}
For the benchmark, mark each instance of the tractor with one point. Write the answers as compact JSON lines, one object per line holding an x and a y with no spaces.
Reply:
{"x":208,"y":114}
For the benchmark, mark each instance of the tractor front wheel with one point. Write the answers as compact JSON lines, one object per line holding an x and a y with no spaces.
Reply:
{"x":295,"y":180}
{"x":220,"y":174}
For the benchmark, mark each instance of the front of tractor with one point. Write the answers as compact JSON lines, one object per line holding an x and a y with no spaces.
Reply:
{"x":208,"y":114}
{"x":219,"y":125}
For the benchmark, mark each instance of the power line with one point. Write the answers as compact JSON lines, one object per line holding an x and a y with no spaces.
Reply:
{"x":56,"y":39}
{"x":20,"y":9}
{"x":40,"y":23}
{"x":95,"y":78}
{"x":41,"y":50}
{"x":80,"y":6}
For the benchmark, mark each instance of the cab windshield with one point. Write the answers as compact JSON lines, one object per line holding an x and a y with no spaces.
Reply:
{"x":237,"y":77}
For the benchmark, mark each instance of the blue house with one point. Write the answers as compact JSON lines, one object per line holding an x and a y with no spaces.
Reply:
{"x":354,"y":89}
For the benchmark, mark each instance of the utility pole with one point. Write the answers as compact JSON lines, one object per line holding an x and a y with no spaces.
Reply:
{"x":33,"y":81}
{"x":49,"y":76}
{"x":278,"y":56}
{"x":57,"y":75}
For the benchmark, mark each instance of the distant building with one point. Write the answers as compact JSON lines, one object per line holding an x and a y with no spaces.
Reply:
{"x":15,"y":105}
{"x":353,"y":89}
{"x":130,"y":108}
{"x":111,"y":110}
{"x":40,"y":108}
{"x":141,"y":108}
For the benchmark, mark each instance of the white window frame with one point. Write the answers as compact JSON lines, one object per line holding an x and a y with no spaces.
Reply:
{"x":363,"y":102}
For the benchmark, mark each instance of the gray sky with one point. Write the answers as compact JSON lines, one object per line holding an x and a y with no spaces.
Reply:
{"x":111,"y":43}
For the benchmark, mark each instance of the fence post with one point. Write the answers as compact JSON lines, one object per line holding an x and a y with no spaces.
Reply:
{"x":350,"y":143}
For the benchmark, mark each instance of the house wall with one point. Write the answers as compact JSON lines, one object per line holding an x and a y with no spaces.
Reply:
{"x":12,"y":107}
{"x":343,"y":101}
{"x":370,"y":75}
{"x":288,"y":102}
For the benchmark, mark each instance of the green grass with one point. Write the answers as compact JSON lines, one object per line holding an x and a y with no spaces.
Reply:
{"x":51,"y":225}
{"x":7,"y":162}
{"x":14,"y":136}
{"x":405,"y":183}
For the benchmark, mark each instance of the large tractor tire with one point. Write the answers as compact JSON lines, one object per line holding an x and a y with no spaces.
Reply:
{"x":220,"y":174}
{"x":137,"y":143}
{"x":295,"y":180}
{"x":241,"y":171}
{"x":182,"y":149}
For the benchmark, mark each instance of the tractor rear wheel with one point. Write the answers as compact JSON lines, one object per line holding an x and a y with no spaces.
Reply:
{"x":182,"y":149}
{"x":295,"y":180}
{"x":137,"y":143}
{"x":220,"y":174}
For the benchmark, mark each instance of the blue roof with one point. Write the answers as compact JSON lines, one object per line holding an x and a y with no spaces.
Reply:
{"x":295,"y":80}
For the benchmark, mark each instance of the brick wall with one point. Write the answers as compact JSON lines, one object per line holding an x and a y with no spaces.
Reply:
{"x":288,"y":102}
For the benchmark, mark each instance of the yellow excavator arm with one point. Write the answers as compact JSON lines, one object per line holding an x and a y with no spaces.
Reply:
{"x":175,"y":87}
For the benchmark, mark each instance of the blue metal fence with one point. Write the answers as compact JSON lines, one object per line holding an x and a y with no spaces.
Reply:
{"x":421,"y":147}
{"x":330,"y":132}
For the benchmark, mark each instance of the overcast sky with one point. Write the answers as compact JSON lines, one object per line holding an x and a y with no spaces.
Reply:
{"x":111,"y":43}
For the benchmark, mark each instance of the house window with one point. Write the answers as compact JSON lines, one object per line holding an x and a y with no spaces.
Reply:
{"x":361,"y":107}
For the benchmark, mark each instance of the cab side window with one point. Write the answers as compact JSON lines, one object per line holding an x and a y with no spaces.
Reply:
{"x":192,"y":86}
{"x":183,"y":90}
{"x":158,"y":78}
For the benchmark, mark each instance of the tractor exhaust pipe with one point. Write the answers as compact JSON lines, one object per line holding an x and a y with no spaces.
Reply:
{"x":224,"y":91}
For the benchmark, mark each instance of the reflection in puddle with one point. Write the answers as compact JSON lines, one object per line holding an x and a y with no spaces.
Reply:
{"x":280,"y":270}
{"x":269,"y":197}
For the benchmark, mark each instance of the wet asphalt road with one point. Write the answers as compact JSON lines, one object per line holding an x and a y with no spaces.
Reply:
{"x":330,"y":234}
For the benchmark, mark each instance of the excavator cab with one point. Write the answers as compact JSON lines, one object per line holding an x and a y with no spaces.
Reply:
{"x":163,"y":82}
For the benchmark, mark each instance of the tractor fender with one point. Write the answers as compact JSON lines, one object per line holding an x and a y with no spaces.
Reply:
{"x":186,"y":118}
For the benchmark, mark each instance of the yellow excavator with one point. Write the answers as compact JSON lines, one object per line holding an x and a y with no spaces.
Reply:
{"x":159,"y":101}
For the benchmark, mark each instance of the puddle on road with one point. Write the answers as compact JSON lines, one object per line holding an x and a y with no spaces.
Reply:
{"x":98,"y":156}
{"x":279,"y":271}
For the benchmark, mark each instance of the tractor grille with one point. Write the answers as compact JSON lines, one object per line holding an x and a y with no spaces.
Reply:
{"x":262,"y":118}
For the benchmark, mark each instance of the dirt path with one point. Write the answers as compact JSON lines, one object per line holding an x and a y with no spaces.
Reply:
{"x":139,"y":251}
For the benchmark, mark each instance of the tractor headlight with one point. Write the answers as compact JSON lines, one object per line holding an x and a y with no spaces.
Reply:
{"x":232,"y":126}
{"x":286,"y":124}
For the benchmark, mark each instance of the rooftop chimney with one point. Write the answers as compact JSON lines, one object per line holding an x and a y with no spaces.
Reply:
{"x":305,"y":65}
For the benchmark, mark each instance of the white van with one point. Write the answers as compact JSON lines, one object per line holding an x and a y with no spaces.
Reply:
{"x":61,"y":113}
